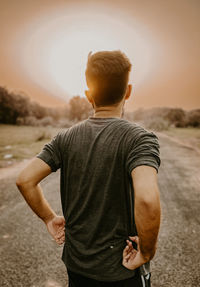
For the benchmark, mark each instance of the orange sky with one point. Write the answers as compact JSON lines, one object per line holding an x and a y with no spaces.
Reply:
{"x":43,"y":42}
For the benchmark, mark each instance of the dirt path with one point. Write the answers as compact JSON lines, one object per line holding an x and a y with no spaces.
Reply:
{"x":177,"y":262}
{"x":6,"y":172}
{"x":30,"y":258}
{"x":187,"y":143}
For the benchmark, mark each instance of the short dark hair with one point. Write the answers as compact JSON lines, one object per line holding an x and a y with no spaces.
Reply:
{"x":107,"y":74}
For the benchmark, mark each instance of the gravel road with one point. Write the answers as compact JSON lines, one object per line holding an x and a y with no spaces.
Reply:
{"x":30,"y":258}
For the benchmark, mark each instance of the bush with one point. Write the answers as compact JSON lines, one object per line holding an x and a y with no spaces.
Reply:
{"x":42,"y":136}
{"x":176,"y":116}
{"x":32,"y":121}
{"x":65,"y":123}
{"x":79,"y":108}
{"x":46,"y":121}
{"x":193,"y":118}
{"x":157,"y":124}
{"x":27,"y":121}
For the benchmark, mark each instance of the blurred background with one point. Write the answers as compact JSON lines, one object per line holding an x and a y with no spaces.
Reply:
{"x":43,"y":53}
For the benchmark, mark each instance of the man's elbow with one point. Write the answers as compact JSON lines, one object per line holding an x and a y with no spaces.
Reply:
{"x":150,"y":206}
{"x":22,"y":182}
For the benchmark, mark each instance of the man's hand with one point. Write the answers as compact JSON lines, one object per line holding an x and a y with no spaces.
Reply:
{"x":56,"y":227}
{"x":133,"y":258}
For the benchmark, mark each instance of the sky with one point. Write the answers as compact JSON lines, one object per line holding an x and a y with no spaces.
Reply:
{"x":44,"y":47}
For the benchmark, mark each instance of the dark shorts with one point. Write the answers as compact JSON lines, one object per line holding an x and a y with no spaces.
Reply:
{"x":77,"y":280}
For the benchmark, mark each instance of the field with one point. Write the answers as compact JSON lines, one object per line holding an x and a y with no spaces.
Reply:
{"x":22,"y":142}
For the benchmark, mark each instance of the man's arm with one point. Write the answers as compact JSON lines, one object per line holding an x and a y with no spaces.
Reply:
{"x":28,"y":184}
{"x":147,"y":217}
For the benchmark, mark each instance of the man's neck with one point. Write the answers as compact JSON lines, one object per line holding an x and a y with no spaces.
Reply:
{"x":108,"y":112}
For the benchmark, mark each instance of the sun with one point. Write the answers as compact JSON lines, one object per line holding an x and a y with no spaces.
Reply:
{"x":55,"y":55}
{"x":68,"y":56}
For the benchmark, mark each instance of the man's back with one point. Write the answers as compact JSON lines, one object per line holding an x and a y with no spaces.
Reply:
{"x":108,"y":176}
{"x":96,"y":158}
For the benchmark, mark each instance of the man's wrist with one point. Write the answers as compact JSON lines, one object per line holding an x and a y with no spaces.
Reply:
{"x":48,"y":217}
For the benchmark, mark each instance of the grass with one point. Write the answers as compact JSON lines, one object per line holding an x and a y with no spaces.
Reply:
{"x":23,"y":142}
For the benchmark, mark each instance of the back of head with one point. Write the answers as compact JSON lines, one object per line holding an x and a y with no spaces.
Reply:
{"x":107,"y":76}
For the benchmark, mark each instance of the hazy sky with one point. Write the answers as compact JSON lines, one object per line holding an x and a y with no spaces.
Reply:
{"x":44,"y":47}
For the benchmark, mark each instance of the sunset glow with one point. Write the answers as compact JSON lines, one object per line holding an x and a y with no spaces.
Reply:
{"x":56,"y":53}
{"x":45,"y":44}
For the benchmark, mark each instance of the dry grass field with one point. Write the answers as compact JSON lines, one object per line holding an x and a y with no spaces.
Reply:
{"x":22,"y":142}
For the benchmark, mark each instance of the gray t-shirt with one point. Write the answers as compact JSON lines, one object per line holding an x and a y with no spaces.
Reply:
{"x":96,"y":157}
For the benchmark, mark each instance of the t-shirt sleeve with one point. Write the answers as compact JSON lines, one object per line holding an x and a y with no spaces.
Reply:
{"x":51,"y":153}
{"x":145,"y":150}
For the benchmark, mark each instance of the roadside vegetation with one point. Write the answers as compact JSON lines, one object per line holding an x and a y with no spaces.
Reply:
{"x":25,"y":125}
{"x":22,"y":142}
{"x":162,"y":118}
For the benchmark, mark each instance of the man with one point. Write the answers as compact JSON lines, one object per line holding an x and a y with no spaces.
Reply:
{"x":109,"y":190}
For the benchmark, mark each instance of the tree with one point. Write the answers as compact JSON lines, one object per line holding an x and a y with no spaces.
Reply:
{"x":79,"y":108}
{"x":176,"y":116}
{"x":193,"y":118}
{"x":12,"y":106}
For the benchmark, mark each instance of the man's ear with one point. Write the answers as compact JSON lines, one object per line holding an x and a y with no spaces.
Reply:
{"x":128,"y":91}
{"x":87,"y":93}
